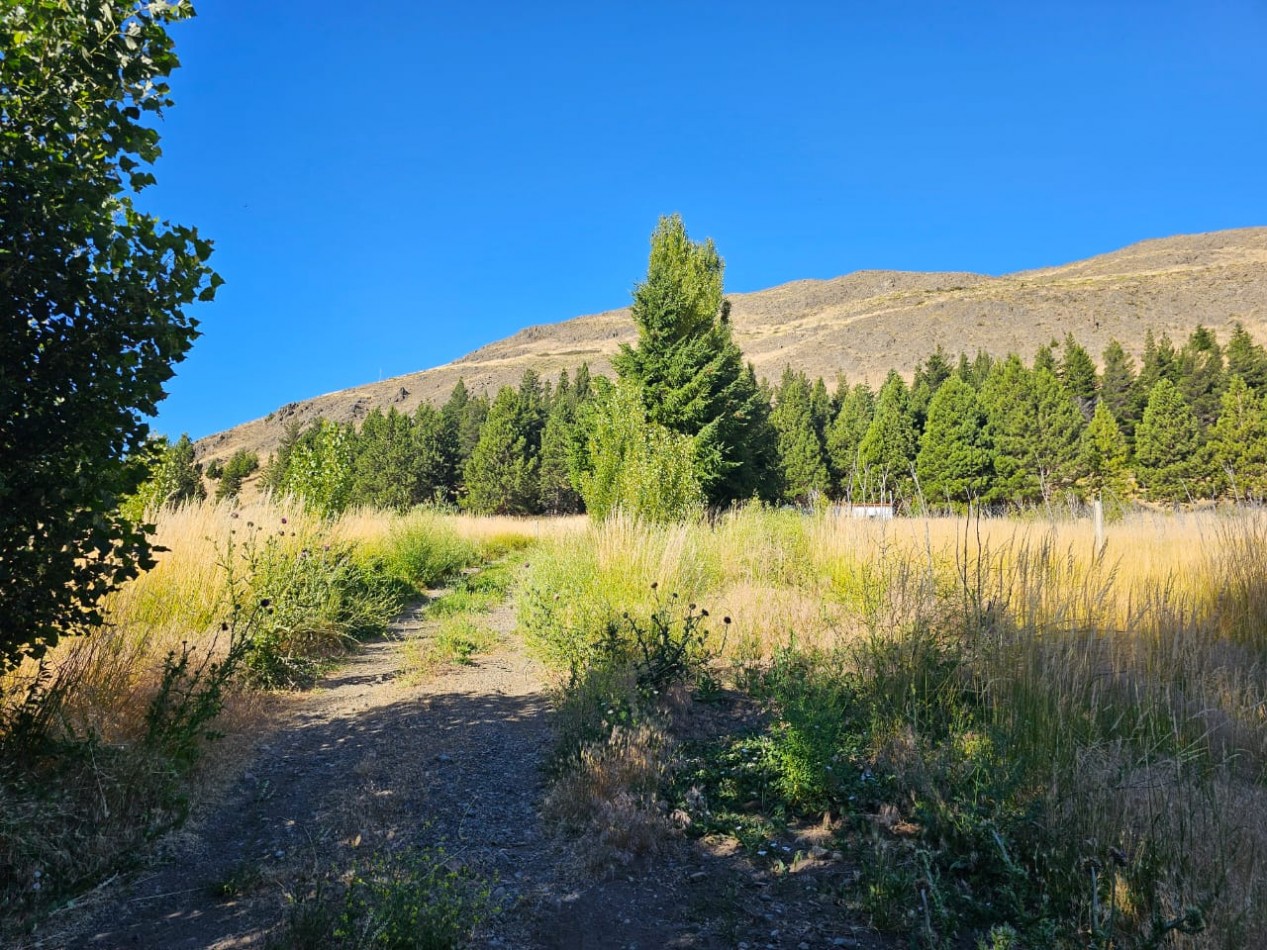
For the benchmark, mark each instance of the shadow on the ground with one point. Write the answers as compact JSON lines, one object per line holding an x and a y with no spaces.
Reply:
{"x":420,"y":771}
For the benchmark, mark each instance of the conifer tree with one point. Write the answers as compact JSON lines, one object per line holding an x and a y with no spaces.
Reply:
{"x":845,"y":435}
{"x":1201,"y":375}
{"x":1103,"y":456}
{"x":1045,"y":358}
{"x":1238,"y":443}
{"x":463,"y":417}
{"x":820,"y":404}
{"x":887,"y":451}
{"x":501,"y":474}
{"x":1167,"y":447}
{"x":1035,"y":426}
{"x":1118,"y":390}
{"x":431,"y":472}
{"x":1247,"y":359}
{"x":384,"y":471}
{"x":558,"y":438}
{"x":1160,"y":362}
{"x":1077,"y":373}
{"x":240,"y":465}
{"x":955,"y":461}
{"x":175,"y":478}
{"x":801,"y":454}
{"x":929,"y":375}
{"x":691,"y":374}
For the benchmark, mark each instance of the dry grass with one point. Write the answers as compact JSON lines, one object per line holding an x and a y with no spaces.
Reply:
{"x":611,"y":796}
{"x":111,"y":787}
{"x":1133,"y":679}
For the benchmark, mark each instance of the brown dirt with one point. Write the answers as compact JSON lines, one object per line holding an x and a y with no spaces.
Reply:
{"x":372,"y":761}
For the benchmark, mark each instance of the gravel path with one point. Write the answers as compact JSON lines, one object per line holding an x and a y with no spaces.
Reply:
{"x":371,"y":761}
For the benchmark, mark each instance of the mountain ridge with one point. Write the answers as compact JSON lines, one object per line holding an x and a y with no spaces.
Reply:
{"x":865,"y":322}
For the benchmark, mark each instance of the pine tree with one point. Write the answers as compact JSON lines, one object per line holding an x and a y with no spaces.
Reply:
{"x":1077,"y":373}
{"x":1034,"y":425}
{"x":691,"y":374}
{"x":1201,"y":375}
{"x":558,"y":439}
{"x":383,"y":471}
{"x":845,"y":435}
{"x":955,"y":461}
{"x":1045,"y":358}
{"x":1167,"y":447}
{"x":887,"y":451}
{"x":821,"y":412}
{"x":1118,"y":390}
{"x":463,"y":417}
{"x":432,"y":475}
{"x":1238,"y":442}
{"x":801,"y":454}
{"x":240,"y":465}
{"x":501,"y":474}
{"x":1247,"y":359}
{"x":1103,"y":458}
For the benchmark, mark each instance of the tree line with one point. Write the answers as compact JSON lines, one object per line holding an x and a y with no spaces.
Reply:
{"x":685,"y":423}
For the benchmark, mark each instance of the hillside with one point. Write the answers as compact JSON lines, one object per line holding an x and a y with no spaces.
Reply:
{"x":865,"y":323}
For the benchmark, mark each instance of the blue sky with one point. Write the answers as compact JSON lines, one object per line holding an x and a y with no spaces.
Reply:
{"x":390,"y":185}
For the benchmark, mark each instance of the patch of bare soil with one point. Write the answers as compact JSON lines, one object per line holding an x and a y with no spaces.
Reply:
{"x":372,"y":761}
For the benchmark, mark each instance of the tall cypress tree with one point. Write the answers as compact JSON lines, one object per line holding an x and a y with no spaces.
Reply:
{"x":691,"y":373}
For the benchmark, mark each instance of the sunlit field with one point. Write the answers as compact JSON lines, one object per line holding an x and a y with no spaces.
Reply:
{"x":1080,"y":727}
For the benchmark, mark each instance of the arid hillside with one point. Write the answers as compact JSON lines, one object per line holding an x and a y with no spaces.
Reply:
{"x":867,"y":322}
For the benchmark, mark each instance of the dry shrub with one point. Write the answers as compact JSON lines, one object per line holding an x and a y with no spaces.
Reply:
{"x":610,"y":796}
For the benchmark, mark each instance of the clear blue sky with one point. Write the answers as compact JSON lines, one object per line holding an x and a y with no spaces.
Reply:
{"x":390,"y":185}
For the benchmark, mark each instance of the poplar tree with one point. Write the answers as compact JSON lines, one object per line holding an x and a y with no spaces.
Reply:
{"x":690,"y":373}
{"x":94,"y":298}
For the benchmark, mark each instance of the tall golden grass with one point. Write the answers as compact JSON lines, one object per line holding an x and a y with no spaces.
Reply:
{"x":1133,"y":676}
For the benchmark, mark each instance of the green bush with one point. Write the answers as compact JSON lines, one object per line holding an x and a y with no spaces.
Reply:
{"x":409,"y":900}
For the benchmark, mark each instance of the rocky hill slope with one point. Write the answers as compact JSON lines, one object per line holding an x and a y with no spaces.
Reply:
{"x":865,"y":323}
